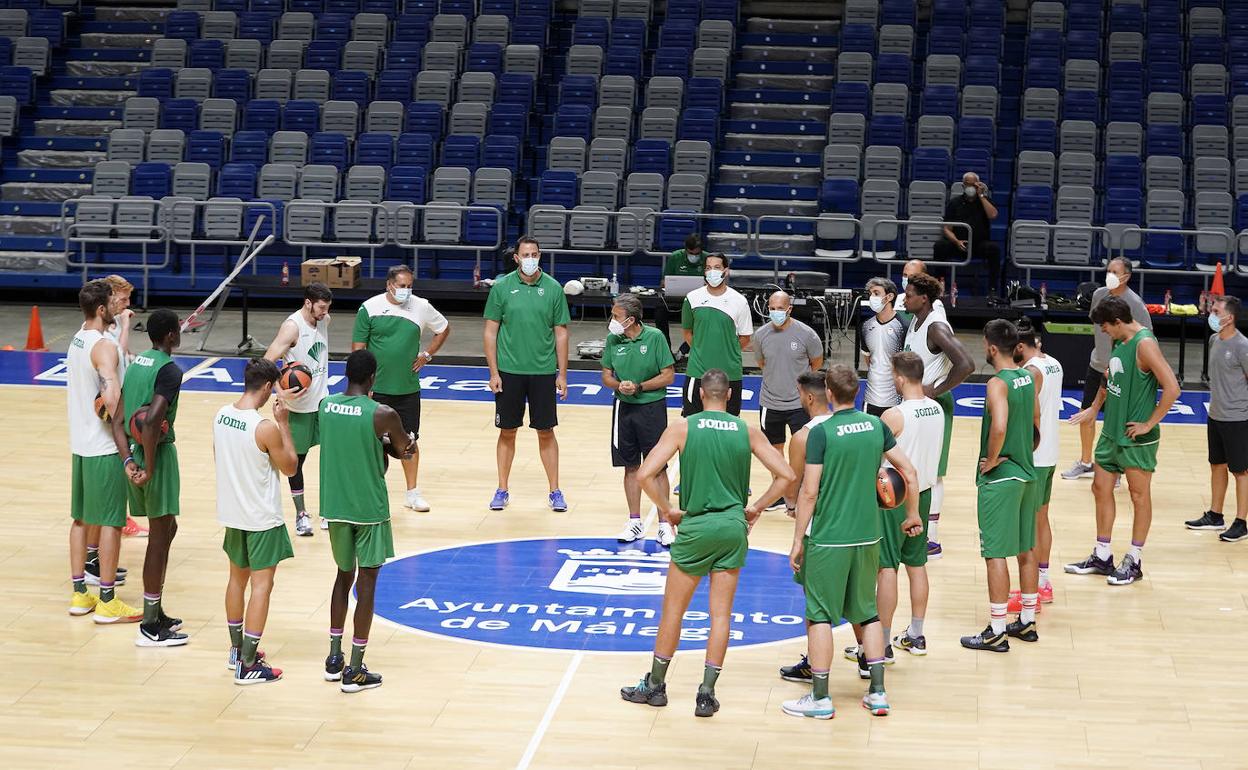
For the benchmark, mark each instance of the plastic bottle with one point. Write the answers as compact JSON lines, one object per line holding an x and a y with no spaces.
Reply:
{"x":615,"y":286}
{"x":1167,"y":302}
{"x":476,"y":275}
{"x":953,"y":295}
{"x":285,"y":274}
{"x":1044,"y":295}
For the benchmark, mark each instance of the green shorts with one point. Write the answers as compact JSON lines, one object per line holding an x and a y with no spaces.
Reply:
{"x":711,"y":542}
{"x":1040,"y":491}
{"x":257,"y":550}
{"x":1001,"y":520}
{"x":1116,"y":458}
{"x":946,"y":403}
{"x":305,"y":429}
{"x":839,"y":582}
{"x":98,"y":491}
{"x":899,"y":548}
{"x":159,"y":496}
{"x":360,"y":545}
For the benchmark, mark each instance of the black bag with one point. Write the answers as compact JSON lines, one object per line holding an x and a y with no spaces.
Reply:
{"x":1083,"y":295}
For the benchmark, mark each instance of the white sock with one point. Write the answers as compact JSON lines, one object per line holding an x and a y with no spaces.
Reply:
{"x":1028,"y":615}
{"x":916,"y":628}
{"x":932,"y":524}
{"x":938,"y":500}
{"x":1102,"y":550}
{"x":996,"y":617}
{"x":1044,"y":576}
{"x":1136,"y":551}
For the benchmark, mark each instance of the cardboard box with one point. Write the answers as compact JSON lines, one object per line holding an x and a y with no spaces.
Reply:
{"x":336,"y":273}
{"x":315,"y":271}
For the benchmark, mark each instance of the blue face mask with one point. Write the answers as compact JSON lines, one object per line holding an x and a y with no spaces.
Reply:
{"x":1215,"y":323}
{"x":904,"y":282}
{"x":778,"y":317}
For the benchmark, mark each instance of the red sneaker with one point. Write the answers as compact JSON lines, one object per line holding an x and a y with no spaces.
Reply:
{"x":1016,"y":602}
{"x":1046,"y":594}
{"x":133,"y":529}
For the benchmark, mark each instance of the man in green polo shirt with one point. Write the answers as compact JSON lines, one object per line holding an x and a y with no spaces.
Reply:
{"x":637,"y":364}
{"x":526,"y":347}
{"x":687,"y":261}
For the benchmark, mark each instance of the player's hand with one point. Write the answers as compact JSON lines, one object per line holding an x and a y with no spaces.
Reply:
{"x":496,"y":383}
{"x":561,"y":386}
{"x":138,"y":477}
{"x":628,"y":387}
{"x":913,"y":527}
{"x":796,"y":556}
{"x":752,"y":514}
{"x":419,"y":364}
{"x":286,"y":395}
{"x":1082,"y":416}
{"x":280,"y":412}
{"x":123,"y":318}
{"x":674,"y":516}
{"x":1137,"y":429}
{"x":986,"y":465}
{"x":411,"y":447}
{"x":961,"y":245}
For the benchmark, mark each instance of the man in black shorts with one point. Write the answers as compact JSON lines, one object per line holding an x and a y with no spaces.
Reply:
{"x":526,"y":347}
{"x":717,"y":327}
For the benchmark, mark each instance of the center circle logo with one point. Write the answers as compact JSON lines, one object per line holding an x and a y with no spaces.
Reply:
{"x":586,"y":594}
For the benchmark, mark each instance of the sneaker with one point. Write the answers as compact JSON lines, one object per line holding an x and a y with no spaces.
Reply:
{"x":236,"y":657}
{"x":556,"y":501}
{"x":1015,"y":604}
{"x":915,"y":645}
{"x":1207,"y":520}
{"x":133,"y":529}
{"x":706,"y":704}
{"x":667,"y":534}
{"x":116,"y":611}
{"x":987,"y":640}
{"x":777,"y":505}
{"x":257,"y":673}
{"x":91,"y":573}
{"x":324,"y":524}
{"x":1025,"y":632}
{"x":807,"y":706}
{"x":1092,"y":566}
{"x":83,"y":603}
{"x":303,"y":524}
{"x":644,"y":692}
{"x":798,"y":672}
{"x":934,"y":551}
{"x":173,"y":624}
{"x":1079,"y":470}
{"x":876,"y":703}
{"x":853,"y":651}
{"x":889,"y":658}
{"x":632,"y":531}
{"x":358,"y":679}
{"x":1129,"y":571}
{"x":1234,"y":533}
{"x":1046,"y":593}
{"x":334,"y":664}
{"x":501,"y":498}
{"x":416,"y":501}
{"x":159,"y":635}
{"x":864,"y":671}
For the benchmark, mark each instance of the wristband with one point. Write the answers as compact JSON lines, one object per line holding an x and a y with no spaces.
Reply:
{"x":425,"y":355}
{"x":126,"y":462}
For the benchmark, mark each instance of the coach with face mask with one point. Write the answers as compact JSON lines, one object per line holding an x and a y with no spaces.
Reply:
{"x":974,"y":208}
{"x":717,"y":325}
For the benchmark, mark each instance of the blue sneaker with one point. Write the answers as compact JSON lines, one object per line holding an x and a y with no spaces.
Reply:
{"x":501,"y":498}
{"x":557,"y":503}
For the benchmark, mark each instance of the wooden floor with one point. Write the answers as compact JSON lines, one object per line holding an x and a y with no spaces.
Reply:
{"x":1151,"y":675}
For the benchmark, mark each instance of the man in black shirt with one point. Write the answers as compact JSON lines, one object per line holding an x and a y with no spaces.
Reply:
{"x":975,"y":209}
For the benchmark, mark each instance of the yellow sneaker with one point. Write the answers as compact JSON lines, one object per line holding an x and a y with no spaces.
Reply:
{"x":83,"y":603}
{"x":117,"y":611}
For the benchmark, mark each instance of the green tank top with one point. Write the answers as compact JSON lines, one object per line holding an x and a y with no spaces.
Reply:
{"x":138,"y":387}
{"x":1130,"y":394}
{"x":715,"y":464}
{"x":850,"y":446}
{"x":1020,"y":426}
{"x":353,"y":483}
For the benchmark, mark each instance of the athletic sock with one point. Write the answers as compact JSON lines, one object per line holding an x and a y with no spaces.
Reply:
{"x":80,"y":583}
{"x":887,"y":639}
{"x":151,"y":608}
{"x":93,"y":553}
{"x":335,"y":641}
{"x":1136,"y":551}
{"x":251,"y":642}
{"x":996,"y":617}
{"x":106,"y":592}
{"x":916,"y":628}
{"x":1102,"y":548}
{"x":297,"y":496}
{"x":635,"y":515}
{"x":1044,"y":574}
{"x":357,"y":652}
{"x":876,"y":667}
{"x":819,"y":679}
{"x":236,"y":632}
{"x":1028,"y":615}
{"x":932,"y":524}
{"x":710,"y":673}
{"x":658,"y":669}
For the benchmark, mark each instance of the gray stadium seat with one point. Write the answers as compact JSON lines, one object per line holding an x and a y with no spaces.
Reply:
{"x":935,"y":131}
{"x":548,"y":225}
{"x":141,"y":112}
{"x":434,"y":86}
{"x":1035,"y":168}
{"x":362,"y":56}
{"x":319,"y":182}
{"x":896,"y":38}
{"x":716,"y":33}
{"x":218,"y":25}
{"x":277,"y":181}
{"x":847,"y":128}
{"x":289,"y":147}
{"x":193,"y":83}
{"x":1124,"y":139}
{"x":296,"y":25}
{"x":492,"y":186}
{"x":444,"y":57}
{"x":644,"y":189}
{"x":355,"y":223}
{"x":341,"y":117}
{"x":1048,"y":15}
{"x":636,"y":232}
{"x":890,"y":99}
{"x":1165,"y":108}
{"x":274,"y":84}
{"x":477,"y":87}
{"x":1210,"y":141}
{"x":855,"y":67}
{"x":312,"y":85}
{"x":566,"y":153}
{"x":285,"y":54}
{"x":585,"y":60}
{"x":692,"y":156}
{"x":469,"y":119}
{"x":442,"y":226}
{"x":686,"y":192}
{"x":33,"y":53}
{"x":523,"y":59}
{"x":842,"y":161}
{"x":166,"y":145}
{"x":1163,"y":172}
{"x":659,"y":123}
{"x":1077,"y":136}
{"x":665,"y":91}
{"x":384,"y":118}
{"x":1211,"y":175}
{"x":710,"y":63}
{"x":613,"y":123}
{"x":588,"y":227}
{"x":371,"y":28}
{"x":451,"y":184}
{"x":880,"y":200}
{"x":192,"y":180}
{"x":980,"y":101}
{"x":244,"y":54}
{"x":491,"y":28}
{"x":1208,"y":79}
{"x":126,"y":144}
{"x":168,"y":53}
{"x":365,"y":183}
{"x":618,"y":91}
{"x":1126,"y":46}
{"x":1082,"y":74}
{"x":607,"y":154}
{"x":943,"y":70}
{"x":882,"y":162}
{"x":305,"y":220}
{"x":222,"y":221}
{"x":1041,"y":104}
{"x":449,"y":28}
{"x":1076,"y":168}
{"x":111,"y":179}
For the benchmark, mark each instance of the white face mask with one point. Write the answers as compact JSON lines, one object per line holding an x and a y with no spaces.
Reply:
{"x":615,"y":327}
{"x":778,"y":317}
{"x":714,"y":277}
{"x":693,"y":258}
{"x":970,"y":191}
{"x":402,"y":294}
{"x":1215,"y":323}
{"x":1112,"y":281}
{"x":529,"y":265}
{"x":904,"y":282}
{"x":876,"y":303}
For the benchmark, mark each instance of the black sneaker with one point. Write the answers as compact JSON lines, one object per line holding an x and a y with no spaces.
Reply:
{"x":798,"y":672}
{"x":334,"y":664}
{"x":159,"y":635}
{"x":257,"y":673}
{"x":1023,"y":631}
{"x":1092,"y":566}
{"x":1127,"y":573}
{"x":1207,"y":520}
{"x":644,"y":692}
{"x":987,"y":640}
{"x":864,"y":671}
{"x":706,"y":706}
{"x":915,"y":645}
{"x":357,"y":679}
{"x":92,"y":573}
{"x":1236,"y":532}
{"x":173,"y":624}
{"x":889,"y":658}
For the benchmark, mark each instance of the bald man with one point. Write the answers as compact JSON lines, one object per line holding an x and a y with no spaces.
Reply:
{"x":784,"y":347}
{"x":908,"y":271}
{"x":975,"y":209}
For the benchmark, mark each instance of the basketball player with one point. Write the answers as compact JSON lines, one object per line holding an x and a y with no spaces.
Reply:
{"x":356,"y":432}
{"x":883,"y":334}
{"x":946,"y":364}
{"x":1129,"y":437}
{"x":98,"y":499}
{"x":836,"y":538}
{"x":712,"y":523}
{"x":303,"y":338}
{"x":154,"y":380}
{"x":119,"y":330}
{"x":390,"y":324}
{"x":717,"y":324}
{"x":1007,"y":526}
{"x":1046,"y":374}
{"x":250,"y":452}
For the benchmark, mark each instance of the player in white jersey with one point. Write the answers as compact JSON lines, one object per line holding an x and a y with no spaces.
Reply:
{"x":119,"y":331}
{"x":882,"y":336}
{"x":98,"y":496}
{"x":250,"y":453}
{"x":946,"y":364}
{"x":1047,"y":373}
{"x":303,"y":338}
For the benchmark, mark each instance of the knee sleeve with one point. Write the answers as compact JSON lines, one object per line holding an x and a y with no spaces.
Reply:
{"x":938,"y":496}
{"x":869,"y":621}
{"x":296,"y":481}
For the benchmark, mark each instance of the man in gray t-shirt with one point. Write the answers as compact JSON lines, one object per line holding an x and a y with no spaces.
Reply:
{"x":1227,"y":430}
{"x":784,"y":347}
{"x":1117,"y":284}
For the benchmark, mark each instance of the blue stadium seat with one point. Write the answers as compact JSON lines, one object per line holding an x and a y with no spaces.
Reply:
{"x":329,"y":149}
{"x":460,"y":150}
{"x":940,"y":100}
{"x":1164,"y":140}
{"x":209,"y":54}
{"x":573,"y":120}
{"x":840,"y":196}
{"x":1081,"y":104}
{"x":403,"y":54}
{"x":1045,"y":43}
{"x":18,"y":82}
{"x":1209,"y":110}
{"x":301,"y":115}
{"x":232,"y":84}
{"x":591,"y":30}
{"x":206,"y":147}
{"x":485,"y":57}
{"x":182,"y":114}
{"x":652,"y":156}
{"x":623,"y":60}
{"x":256,"y":26}
{"x":333,"y":26}
{"x":946,"y":40}
{"x":706,"y":93}
{"x":182,"y":25}
{"x":374,"y":149}
{"x":1124,"y":172}
{"x":888,"y":130}
{"x":394,"y":86}
{"x":673,"y":230}
{"x":415,"y":150}
{"x":579,"y":89}
{"x":250,"y":147}
{"x":1037,"y":135}
{"x":673,"y":62}
{"x":262,"y":115}
{"x":851,"y":97}
{"x":237,"y":180}
{"x":156,"y":83}
{"x":974,"y":159}
{"x":976,"y":133}
{"x":930,"y":164}
{"x":894,"y":68}
{"x":558,"y":188}
{"x":323,"y":55}
{"x":516,"y":88}
{"x":1043,"y":73}
{"x":425,"y":118}
{"x":858,"y":38}
{"x":1126,"y":105}
{"x":510,"y":120}
{"x":700,"y":124}
{"x":351,"y":86}
{"x":501,"y":151}
{"x":1083,"y":44}
{"x":152,"y":180}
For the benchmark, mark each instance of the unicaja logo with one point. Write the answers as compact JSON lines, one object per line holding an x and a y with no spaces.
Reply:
{"x":598,"y":571}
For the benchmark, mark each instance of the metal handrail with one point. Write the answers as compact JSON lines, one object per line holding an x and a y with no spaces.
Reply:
{"x":176,"y":236}
{"x":114,"y":233}
{"x":567,"y":214}
{"x":416,"y":246}
{"x":1029,"y":224}
{"x":748,"y":234}
{"x":869,"y":226}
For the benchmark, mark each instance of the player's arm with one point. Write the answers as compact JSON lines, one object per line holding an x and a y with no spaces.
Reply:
{"x":389,"y":428}
{"x":893,"y":419}
{"x":660,"y":381}
{"x":439,"y":339}
{"x":1089,"y":414}
{"x":274,"y":439}
{"x":814,"y":351}
{"x":942,"y":337}
{"x":1150,"y":359}
{"x":490,"y":343}
{"x":609,"y":380}
{"x":1037,"y":382}
{"x":912,"y":525}
{"x":671,"y":442}
{"x":797,"y":461}
{"x":781,"y":474}
{"x":744,"y":341}
{"x":686,"y":321}
{"x":441,"y":329}
{"x":806,"y":498}
{"x":104,"y":358}
{"x":359,"y":333}
{"x":999,"y":406}
{"x":287,"y":336}
{"x":561,"y":359}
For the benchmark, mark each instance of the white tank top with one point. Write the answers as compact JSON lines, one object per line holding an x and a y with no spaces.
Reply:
{"x":922,"y":437}
{"x":89,"y":436}
{"x":249,"y":489}
{"x":816,"y":420}
{"x":1050,"y":409}
{"x":936,"y":366}
{"x":311,"y":349}
{"x":114,"y":334}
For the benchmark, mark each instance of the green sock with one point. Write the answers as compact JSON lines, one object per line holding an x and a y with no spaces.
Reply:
{"x":299,"y":506}
{"x":107,"y":592}
{"x":80,"y":584}
{"x":877,"y":676}
{"x":151,"y":608}
{"x":357,"y":652}
{"x":710,"y":673}
{"x":658,"y":669}
{"x":250,"y":643}
{"x":887,"y":639}
{"x":335,"y":641}
{"x":820,"y":681}
{"x":236,"y":632}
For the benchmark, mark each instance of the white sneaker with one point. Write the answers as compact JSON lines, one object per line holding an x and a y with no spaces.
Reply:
{"x":807,"y":706}
{"x":852,"y":652}
{"x":1079,"y":470}
{"x":324,"y":523}
{"x":667,"y":534}
{"x":632,"y":531}
{"x":416,"y":501}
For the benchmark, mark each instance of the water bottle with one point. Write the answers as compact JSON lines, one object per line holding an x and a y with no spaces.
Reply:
{"x":1167,"y":302}
{"x":476,"y":275}
{"x":285,"y":274}
{"x":615,"y":286}
{"x":953,"y":295}
{"x":1044,"y":295}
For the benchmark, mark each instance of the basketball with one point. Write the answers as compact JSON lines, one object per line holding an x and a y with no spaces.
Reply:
{"x":138,"y":421}
{"x":296,"y":377}
{"x":890,"y":488}
{"x":101,"y":410}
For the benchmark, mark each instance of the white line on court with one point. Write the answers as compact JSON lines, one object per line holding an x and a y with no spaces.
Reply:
{"x":199,"y":367}
{"x":551,"y":708}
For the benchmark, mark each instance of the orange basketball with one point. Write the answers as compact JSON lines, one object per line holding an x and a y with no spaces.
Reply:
{"x":890,"y":488}
{"x":296,"y":377}
{"x":138,"y":421}
{"x":101,"y":410}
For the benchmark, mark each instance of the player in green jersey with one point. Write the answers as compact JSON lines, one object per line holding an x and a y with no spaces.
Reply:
{"x":356,"y":434}
{"x":1129,"y":437}
{"x":713,"y":522}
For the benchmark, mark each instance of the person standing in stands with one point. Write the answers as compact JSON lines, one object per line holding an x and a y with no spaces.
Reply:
{"x":717,"y":324}
{"x":687,"y":261}
{"x":974,"y":208}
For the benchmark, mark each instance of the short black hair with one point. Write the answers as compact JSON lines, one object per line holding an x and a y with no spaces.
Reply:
{"x":925,"y":285}
{"x":714,"y":384}
{"x":1027,"y":332}
{"x":1233,"y":306}
{"x":812,"y":382}
{"x":1111,"y":309}
{"x":526,"y":239}
{"x":909,"y":365}
{"x":1002,"y":335}
{"x":395,"y":271}
{"x":319,"y":292}
{"x":361,"y":365}
{"x":160,"y":324}
{"x":693,"y":242}
{"x":259,"y":372}
{"x":92,"y":295}
{"x":842,"y":382}
{"x":716,"y":255}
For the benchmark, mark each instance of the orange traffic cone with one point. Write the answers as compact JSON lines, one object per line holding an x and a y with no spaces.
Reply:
{"x":1217,"y":288}
{"x":34,"y":334}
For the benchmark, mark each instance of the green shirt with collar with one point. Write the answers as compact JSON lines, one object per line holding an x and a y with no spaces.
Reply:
{"x":678,"y":264}
{"x":527,"y":315}
{"x":637,"y":360}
